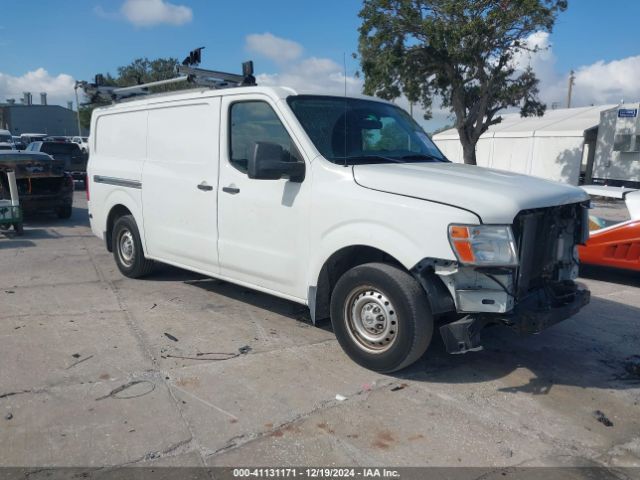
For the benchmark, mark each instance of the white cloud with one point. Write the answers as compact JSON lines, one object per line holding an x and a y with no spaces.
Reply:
{"x":542,"y":61}
{"x":148,"y":13}
{"x":59,"y":88}
{"x":275,"y":48}
{"x":313,"y":74}
{"x":598,"y":83}
{"x":102,"y":13}
{"x":608,"y":82}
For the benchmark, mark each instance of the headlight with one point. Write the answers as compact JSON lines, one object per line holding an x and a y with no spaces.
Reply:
{"x":489,"y":245}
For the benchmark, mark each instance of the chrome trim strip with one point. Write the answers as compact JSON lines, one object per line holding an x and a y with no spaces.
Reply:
{"x":119,"y":182}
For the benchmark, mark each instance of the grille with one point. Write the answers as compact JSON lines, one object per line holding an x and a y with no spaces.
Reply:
{"x":537,"y":233}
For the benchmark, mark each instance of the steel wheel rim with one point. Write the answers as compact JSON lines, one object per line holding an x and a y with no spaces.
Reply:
{"x":371,"y":319}
{"x":126,"y":247}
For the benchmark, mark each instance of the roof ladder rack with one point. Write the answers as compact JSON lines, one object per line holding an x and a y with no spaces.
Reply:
{"x":187,"y":72}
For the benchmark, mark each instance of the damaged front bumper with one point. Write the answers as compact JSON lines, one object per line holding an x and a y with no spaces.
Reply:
{"x":544,"y":308}
{"x":540,"y":309}
{"x":536,"y":294}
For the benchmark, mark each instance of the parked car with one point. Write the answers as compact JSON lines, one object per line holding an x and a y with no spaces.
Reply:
{"x":56,"y":138}
{"x":5,"y":136}
{"x":43,"y":185}
{"x":27,"y":138}
{"x":342,"y":204}
{"x":614,"y":243}
{"x":6,"y":140}
{"x":75,"y":161}
{"x":17,"y":143}
{"x":83,"y":142}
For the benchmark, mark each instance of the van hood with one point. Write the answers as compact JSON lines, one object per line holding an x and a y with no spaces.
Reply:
{"x":496,"y":196}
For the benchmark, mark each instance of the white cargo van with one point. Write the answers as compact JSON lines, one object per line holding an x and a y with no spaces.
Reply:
{"x":342,"y":204}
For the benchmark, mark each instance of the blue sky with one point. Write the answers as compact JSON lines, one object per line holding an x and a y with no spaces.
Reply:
{"x":68,"y":36}
{"x":44,"y":44}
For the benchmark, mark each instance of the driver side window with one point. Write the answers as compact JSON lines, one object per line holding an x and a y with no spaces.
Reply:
{"x":255,"y":121}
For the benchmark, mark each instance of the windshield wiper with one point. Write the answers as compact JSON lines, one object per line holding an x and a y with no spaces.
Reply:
{"x":372,"y":157}
{"x":422,"y":156}
{"x":402,"y":159}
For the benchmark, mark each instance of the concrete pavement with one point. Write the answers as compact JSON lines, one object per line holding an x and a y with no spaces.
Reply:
{"x":90,"y":378}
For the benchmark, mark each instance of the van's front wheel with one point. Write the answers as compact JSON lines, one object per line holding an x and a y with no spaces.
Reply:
{"x":127,"y":248}
{"x":381,"y":317}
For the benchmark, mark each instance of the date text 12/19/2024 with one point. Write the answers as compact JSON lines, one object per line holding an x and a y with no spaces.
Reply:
{"x":309,"y":472}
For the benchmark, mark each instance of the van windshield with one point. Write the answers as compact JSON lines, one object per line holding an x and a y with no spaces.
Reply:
{"x":353,"y":131}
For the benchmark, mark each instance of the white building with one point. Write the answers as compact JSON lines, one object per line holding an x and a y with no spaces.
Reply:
{"x":617,"y":155}
{"x":563,"y":145}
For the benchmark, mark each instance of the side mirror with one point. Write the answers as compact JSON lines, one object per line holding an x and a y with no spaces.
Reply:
{"x":265,"y":163}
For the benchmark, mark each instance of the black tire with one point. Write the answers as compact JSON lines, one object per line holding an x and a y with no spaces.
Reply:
{"x":64,"y":212}
{"x":408,"y":322}
{"x":19,"y":228}
{"x":127,"y":248}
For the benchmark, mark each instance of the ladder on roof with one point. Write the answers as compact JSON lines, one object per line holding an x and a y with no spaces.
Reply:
{"x":187,"y":72}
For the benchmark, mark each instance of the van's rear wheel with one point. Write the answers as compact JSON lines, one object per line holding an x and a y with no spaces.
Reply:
{"x":127,"y":248}
{"x":381,"y":317}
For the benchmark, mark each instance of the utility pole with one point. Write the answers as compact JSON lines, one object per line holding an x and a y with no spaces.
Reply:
{"x":78,"y":110}
{"x":572,"y":81}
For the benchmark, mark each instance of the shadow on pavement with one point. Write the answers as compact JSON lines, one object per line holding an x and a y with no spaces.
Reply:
{"x":11,"y":240}
{"x":275,"y":305}
{"x":279,"y":306}
{"x":596,"y":349}
{"x":168,"y":273}
{"x":79,"y":217}
{"x":42,"y":225}
{"x":612,"y":275}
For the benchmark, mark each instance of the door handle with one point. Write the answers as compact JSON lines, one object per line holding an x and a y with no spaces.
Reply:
{"x":203,"y":186}
{"x":231,"y":190}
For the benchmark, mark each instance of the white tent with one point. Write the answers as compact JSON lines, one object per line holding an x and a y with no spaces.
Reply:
{"x":550,"y":146}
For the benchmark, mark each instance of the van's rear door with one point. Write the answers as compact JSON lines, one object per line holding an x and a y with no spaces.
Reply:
{"x":179,"y":184}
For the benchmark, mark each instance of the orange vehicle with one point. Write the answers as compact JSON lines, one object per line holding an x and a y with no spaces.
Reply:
{"x":614,"y":244}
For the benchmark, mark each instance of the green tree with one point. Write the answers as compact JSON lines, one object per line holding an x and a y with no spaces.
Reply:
{"x":143,"y":70}
{"x":462,"y":51}
{"x":85,"y":115}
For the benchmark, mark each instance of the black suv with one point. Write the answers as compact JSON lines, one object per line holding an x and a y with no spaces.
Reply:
{"x":75,"y":162}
